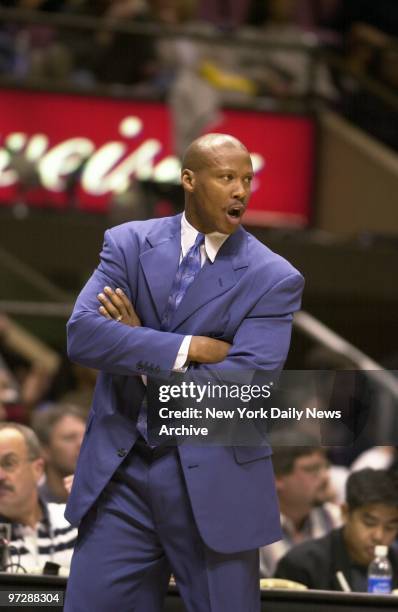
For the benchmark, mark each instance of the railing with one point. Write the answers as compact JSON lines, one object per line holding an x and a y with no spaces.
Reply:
{"x":82,"y":24}
{"x":87,"y":24}
{"x":304,"y":322}
{"x":326,"y":337}
{"x":59,"y":306}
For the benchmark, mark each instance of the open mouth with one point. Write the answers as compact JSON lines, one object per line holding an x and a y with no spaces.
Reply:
{"x":235,"y":212}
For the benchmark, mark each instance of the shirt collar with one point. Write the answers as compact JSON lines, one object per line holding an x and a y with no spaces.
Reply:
{"x":18,"y":528}
{"x":290,"y":529}
{"x":213,"y":241}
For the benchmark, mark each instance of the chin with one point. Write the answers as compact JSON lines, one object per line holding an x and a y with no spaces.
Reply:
{"x":366,"y":559}
{"x":230,"y":229}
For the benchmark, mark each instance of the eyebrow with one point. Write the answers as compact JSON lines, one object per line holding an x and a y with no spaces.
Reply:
{"x":9,"y":455}
{"x":367,"y":515}
{"x":232,"y":171}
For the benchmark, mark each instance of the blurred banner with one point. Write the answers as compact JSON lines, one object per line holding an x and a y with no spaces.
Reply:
{"x":63,"y":150}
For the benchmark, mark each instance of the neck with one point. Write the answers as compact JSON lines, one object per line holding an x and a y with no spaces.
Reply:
{"x":351,"y":551}
{"x":30,"y":515}
{"x":192,"y":221}
{"x":55,"y":482}
{"x":295,"y":513}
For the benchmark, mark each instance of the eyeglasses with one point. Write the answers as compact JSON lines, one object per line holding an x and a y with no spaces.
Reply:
{"x":10,"y":463}
{"x":315,"y":468}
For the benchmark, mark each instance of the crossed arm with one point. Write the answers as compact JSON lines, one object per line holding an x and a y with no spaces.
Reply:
{"x":124,"y":347}
{"x":116,"y":305}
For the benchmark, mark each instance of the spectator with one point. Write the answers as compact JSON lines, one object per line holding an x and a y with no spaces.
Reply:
{"x":224,"y":14}
{"x":302,"y":483}
{"x":29,"y":367}
{"x":80,"y":392}
{"x":39,"y":531}
{"x":60,"y":430}
{"x":370,"y":519}
{"x":382,"y":14}
{"x":283,"y":71}
{"x":8,"y":389}
{"x":379,"y":457}
{"x":114,"y":57}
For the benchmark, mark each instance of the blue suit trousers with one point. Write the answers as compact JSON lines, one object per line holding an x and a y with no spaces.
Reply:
{"x":140,"y":530}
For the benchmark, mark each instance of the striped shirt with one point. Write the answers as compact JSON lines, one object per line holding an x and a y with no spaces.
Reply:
{"x":52,"y":539}
{"x":318,"y":523}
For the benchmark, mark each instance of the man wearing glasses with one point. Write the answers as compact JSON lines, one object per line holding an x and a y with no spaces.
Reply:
{"x":39,"y":532}
{"x":303,"y":487}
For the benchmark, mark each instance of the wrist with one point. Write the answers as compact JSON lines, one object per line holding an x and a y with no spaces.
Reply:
{"x":194,"y":349}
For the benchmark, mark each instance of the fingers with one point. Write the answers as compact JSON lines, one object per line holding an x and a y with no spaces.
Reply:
{"x":108,"y":310}
{"x":112,"y":305}
{"x":104,"y":312}
{"x":116,"y":305}
{"x":126,"y":302}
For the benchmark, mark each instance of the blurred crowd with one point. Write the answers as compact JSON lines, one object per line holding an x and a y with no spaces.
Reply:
{"x":335,"y":505}
{"x":274,"y":48}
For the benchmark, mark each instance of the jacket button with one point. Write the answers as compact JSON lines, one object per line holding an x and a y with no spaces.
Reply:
{"x":122,"y":452}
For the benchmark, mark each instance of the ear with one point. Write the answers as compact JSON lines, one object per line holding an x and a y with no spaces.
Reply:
{"x":344,"y":512}
{"x":45,"y":453}
{"x":279,"y":482}
{"x":38,"y":468}
{"x":188,"y":180}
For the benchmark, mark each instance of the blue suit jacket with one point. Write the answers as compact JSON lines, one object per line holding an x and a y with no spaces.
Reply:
{"x":247,"y":297}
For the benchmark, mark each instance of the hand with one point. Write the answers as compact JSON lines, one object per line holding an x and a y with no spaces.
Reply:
{"x":68,"y":482}
{"x":116,"y":305}
{"x":207,"y":350}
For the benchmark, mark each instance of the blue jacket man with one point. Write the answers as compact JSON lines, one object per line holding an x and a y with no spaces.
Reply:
{"x":198,"y":512}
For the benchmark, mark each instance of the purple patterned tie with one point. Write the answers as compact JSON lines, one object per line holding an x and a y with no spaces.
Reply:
{"x":187,"y":271}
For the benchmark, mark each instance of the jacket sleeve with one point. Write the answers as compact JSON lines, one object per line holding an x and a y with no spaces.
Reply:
{"x":289,"y":568}
{"x":106,"y":345}
{"x":262,"y":340}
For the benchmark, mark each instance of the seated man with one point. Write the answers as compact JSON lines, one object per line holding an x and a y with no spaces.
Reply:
{"x":370,"y":519}
{"x":39,"y":531}
{"x":60,"y":430}
{"x":302,"y":484}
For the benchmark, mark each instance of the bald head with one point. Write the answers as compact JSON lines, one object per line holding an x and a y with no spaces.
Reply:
{"x":202,"y":151}
{"x":216,"y":176}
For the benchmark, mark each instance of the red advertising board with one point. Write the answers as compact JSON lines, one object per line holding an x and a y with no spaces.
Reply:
{"x":121,"y":140}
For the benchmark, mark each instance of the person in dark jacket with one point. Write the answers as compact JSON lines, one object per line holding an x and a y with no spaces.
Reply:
{"x":370,"y":519}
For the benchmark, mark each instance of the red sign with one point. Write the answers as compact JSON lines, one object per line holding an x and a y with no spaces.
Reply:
{"x":47,"y":140}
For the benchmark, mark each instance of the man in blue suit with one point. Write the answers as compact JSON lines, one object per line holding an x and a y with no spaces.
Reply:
{"x":199,"y":512}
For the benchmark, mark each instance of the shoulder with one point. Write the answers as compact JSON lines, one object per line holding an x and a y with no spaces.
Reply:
{"x":56,"y":515}
{"x":134,"y":237}
{"x":143,"y":229}
{"x":268,"y":263}
{"x":310,"y":562}
{"x":376,"y":457}
{"x":316,"y":550}
{"x":393,"y":557}
{"x":333,"y":511}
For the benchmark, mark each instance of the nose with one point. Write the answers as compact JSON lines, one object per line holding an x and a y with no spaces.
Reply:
{"x":240,"y":189}
{"x":378,"y":534}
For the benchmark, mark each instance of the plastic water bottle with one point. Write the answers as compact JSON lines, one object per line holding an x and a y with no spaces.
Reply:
{"x":380,"y":572}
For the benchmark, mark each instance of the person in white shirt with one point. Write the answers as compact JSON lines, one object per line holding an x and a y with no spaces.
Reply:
{"x":302,"y":483}
{"x":38,"y":531}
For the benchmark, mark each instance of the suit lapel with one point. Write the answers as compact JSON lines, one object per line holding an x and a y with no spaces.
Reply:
{"x":214,"y":279}
{"x":160,"y":262}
